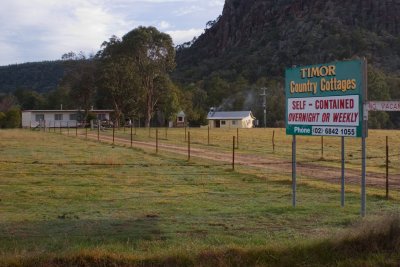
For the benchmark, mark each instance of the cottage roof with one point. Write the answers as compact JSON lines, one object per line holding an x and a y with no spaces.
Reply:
{"x":67,"y":110}
{"x":229,"y":115}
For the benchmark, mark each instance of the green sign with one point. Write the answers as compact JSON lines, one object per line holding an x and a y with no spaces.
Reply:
{"x":325,"y":99}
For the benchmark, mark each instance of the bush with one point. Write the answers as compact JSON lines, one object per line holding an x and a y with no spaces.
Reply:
{"x":11,"y":118}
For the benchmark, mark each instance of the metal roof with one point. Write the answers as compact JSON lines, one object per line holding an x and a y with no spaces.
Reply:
{"x":68,"y":110}
{"x":229,"y":115}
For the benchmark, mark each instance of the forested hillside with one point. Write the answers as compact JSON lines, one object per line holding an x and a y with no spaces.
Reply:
{"x":38,"y":76}
{"x":257,"y":38}
{"x":248,"y":48}
{"x":253,"y":41}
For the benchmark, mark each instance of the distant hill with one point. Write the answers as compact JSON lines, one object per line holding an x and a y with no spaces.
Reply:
{"x":252,"y":43}
{"x":256,"y":38}
{"x":39,"y":76}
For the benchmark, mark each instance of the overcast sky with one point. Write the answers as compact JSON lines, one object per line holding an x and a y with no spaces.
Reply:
{"x":37,"y":30}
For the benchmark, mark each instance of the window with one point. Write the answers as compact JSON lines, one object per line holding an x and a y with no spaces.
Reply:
{"x":39,"y":117}
{"x":101,"y":116}
{"x":233,"y":122}
{"x":73,"y":117}
{"x":223,"y":122}
{"x":58,"y":117}
{"x":180,"y":119}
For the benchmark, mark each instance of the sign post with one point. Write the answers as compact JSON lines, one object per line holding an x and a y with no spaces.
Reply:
{"x":327,"y":100}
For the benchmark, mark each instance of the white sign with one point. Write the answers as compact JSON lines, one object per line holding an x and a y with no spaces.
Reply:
{"x":324,"y":111}
{"x":384,"y":105}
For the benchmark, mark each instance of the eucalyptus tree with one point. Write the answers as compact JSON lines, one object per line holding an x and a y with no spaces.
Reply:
{"x":120,"y":81}
{"x":80,"y":80}
{"x":148,"y":56}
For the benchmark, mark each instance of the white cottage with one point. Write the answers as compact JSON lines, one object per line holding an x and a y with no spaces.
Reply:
{"x":58,"y":118}
{"x":230,"y":119}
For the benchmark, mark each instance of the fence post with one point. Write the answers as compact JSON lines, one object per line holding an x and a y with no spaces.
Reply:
{"x":322,"y":147}
{"x":188,"y":146}
{"x":237,"y":138}
{"x":135,"y":125}
{"x":157,"y":140}
{"x":387,"y":167}
{"x":131,"y":133}
{"x":76,"y":128}
{"x":113,"y":133}
{"x":233,"y":154}
{"x":98,"y":130}
{"x":273,"y":141}
{"x":67,"y":128}
{"x":208,"y":135}
{"x":185,"y":133}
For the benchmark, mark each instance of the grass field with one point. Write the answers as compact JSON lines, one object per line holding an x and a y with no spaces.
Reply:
{"x":68,"y":201}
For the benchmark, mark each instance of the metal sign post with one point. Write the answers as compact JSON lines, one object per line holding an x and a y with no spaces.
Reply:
{"x":342,"y":195}
{"x":327,"y":100}
{"x":364,"y":144}
{"x":294,"y":182}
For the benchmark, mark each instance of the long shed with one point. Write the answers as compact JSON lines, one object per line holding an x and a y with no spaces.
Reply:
{"x":58,"y":118}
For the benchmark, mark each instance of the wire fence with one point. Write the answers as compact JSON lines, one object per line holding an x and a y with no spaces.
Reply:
{"x":262,"y":155}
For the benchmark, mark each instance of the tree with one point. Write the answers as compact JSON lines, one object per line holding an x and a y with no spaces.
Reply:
{"x":169,"y":96}
{"x":13,"y":118}
{"x":378,"y":89}
{"x":29,"y":99}
{"x":119,"y":81}
{"x":135,"y":69}
{"x":7,"y":102}
{"x":153,"y":55}
{"x":194,"y":102}
{"x":80,"y":79}
{"x":60,"y":96}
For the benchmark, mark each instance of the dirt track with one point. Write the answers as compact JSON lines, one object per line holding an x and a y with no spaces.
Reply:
{"x":312,"y":170}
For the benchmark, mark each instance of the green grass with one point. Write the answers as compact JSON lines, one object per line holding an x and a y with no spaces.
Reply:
{"x":65,"y":200}
{"x":258,"y":141}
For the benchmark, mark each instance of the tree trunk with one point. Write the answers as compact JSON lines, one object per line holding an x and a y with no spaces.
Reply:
{"x":149,"y":111}
{"x":149,"y":102}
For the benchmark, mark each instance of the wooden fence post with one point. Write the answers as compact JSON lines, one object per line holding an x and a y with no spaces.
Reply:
{"x":322,"y":147}
{"x":233,"y":154}
{"x":273,"y":141}
{"x":188,"y":146}
{"x":237,"y":138}
{"x":208,"y":135}
{"x":131,"y":134}
{"x":157,"y":140}
{"x":387,"y":167}
{"x":185,"y":133}
{"x":113,"y":133}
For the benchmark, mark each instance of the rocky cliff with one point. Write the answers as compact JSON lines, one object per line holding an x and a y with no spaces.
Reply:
{"x":262,"y":37}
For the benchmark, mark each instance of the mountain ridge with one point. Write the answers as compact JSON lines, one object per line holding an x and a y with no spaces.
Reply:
{"x":258,"y":38}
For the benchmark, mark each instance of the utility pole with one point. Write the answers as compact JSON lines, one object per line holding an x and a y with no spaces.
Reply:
{"x":264,"y":94}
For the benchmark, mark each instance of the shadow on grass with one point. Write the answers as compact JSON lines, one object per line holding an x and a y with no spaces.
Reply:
{"x":365,"y":245}
{"x":66,"y":231}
